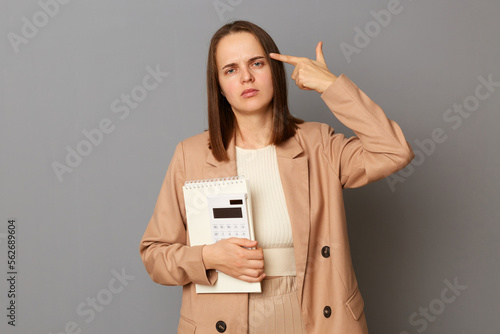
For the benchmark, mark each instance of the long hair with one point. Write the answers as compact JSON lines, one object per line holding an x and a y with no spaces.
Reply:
{"x":221,"y":119}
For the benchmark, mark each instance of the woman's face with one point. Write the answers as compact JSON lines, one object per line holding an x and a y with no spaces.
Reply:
{"x":244,"y":74}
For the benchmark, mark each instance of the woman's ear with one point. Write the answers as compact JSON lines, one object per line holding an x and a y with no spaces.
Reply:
{"x":222,"y":92}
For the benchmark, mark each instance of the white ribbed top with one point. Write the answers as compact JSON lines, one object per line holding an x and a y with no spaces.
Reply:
{"x":271,"y":222}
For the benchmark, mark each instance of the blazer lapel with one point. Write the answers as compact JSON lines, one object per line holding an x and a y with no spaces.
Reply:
{"x":294,"y":172}
{"x":217,"y":169}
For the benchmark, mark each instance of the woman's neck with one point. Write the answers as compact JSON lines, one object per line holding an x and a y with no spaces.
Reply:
{"x":254,"y":131}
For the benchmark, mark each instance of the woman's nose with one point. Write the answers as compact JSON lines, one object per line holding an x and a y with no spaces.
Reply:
{"x":246,"y":76}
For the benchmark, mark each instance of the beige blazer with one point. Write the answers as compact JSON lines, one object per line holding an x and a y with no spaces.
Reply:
{"x":315,"y":165}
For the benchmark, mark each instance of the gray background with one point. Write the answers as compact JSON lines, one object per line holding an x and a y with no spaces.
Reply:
{"x":407,"y":240}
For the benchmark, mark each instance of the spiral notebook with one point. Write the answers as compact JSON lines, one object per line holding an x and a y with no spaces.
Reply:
{"x":217,"y":209}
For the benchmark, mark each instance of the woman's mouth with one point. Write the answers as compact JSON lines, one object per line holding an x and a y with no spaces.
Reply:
{"x":249,"y":92}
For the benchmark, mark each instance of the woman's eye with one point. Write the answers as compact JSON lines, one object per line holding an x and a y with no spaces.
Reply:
{"x":258,"y":64}
{"x":230,"y":71}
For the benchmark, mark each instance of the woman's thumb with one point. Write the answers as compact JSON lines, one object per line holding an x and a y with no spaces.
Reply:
{"x":246,"y":242}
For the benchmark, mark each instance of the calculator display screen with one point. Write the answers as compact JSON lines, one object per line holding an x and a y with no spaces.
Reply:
{"x":228,"y":213}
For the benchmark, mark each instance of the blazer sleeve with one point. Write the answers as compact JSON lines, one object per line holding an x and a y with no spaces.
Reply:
{"x":163,"y":248}
{"x":379,"y":147}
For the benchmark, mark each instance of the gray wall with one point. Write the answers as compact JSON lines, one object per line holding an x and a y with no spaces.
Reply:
{"x":432,"y":225}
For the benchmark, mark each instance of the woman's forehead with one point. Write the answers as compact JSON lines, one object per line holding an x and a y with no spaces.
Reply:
{"x":237,"y":47}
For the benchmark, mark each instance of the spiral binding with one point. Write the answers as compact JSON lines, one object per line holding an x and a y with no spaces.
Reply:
{"x":210,"y":182}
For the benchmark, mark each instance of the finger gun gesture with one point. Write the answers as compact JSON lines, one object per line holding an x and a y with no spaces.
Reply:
{"x":309,"y":74}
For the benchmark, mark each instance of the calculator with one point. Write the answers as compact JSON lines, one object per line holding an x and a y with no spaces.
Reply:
{"x":228,"y":216}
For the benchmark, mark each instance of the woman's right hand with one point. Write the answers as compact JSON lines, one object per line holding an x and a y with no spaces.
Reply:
{"x":230,"y":257}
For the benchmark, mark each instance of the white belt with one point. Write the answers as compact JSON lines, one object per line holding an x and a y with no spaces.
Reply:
{"x":279,"y":261}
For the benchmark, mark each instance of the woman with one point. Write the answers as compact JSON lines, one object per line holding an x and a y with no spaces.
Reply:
{"x":298,"y":169}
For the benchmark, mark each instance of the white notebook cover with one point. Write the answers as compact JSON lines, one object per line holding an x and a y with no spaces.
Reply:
{"x":196,"y":195}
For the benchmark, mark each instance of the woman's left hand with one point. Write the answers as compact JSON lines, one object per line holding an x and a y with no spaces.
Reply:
{"x":309,"y":74}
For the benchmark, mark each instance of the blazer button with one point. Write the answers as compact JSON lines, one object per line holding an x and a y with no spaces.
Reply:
{"x":220,"y":326}
{"x":325,"y":251}
{"x":327,"y":311}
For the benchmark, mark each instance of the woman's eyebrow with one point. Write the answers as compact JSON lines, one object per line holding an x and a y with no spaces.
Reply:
{"x":255,"y":58}
{"x":249,"y":60}
{"x":228,"y":65}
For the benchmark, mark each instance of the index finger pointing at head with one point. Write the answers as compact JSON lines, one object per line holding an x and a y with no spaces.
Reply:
{"x":284,"y":58}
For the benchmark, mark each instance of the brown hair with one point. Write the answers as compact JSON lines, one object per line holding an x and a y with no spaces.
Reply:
{"x":221,"y":119}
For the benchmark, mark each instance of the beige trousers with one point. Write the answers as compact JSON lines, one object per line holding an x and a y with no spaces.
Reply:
{"x":276,"y":310}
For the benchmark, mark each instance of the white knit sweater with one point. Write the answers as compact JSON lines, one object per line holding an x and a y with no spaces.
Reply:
{"x":272,"y":226}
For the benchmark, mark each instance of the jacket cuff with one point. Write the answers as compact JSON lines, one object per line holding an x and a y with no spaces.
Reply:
{"x":341,"y":80}
{"x":203,"y":276}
